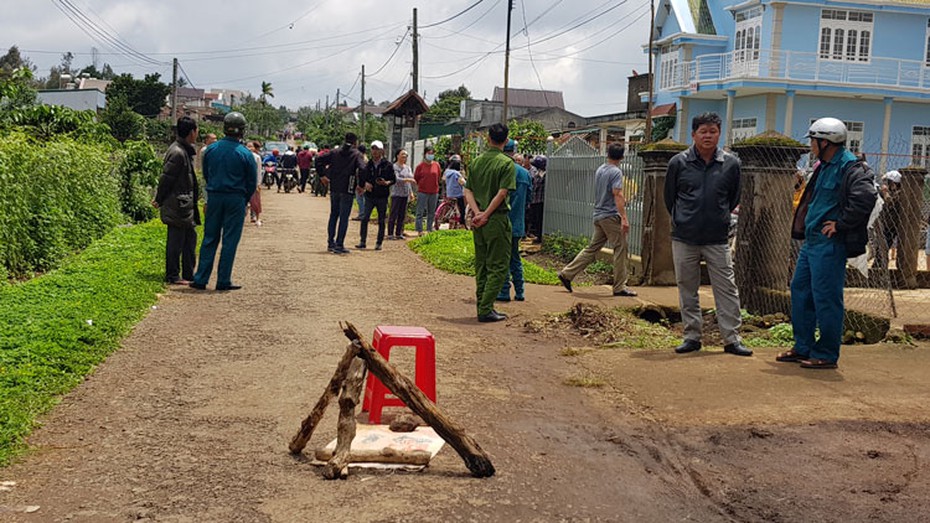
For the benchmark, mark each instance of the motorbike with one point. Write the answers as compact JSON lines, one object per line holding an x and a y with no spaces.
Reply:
{"x":289,"y":179}
{"x":269,"y":174}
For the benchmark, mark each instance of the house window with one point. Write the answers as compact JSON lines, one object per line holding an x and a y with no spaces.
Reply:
{"x":855,"y":133}
{"x":748,"y":37}
{"x":847,"y":35}
{"x":920,"y":146}
{"x":743,"y":128}
{"x":669,"y":68}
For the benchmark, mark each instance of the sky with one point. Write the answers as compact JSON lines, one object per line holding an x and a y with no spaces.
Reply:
{"x":307,"y":49}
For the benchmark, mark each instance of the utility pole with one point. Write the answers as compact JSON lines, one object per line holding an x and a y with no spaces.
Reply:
{"x":174,"y":93}
{"x":363,"y":102}
{"x":507,"y":64}
{"x":327,"y":102}
{"x":647,"y":138}
{"x":337,"y":98}
{"x":416,"y":54}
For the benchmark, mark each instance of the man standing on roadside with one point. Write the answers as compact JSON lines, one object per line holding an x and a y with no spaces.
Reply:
{"x":229,"y":172}
{"x":341,"y":167}
{"x":427,"y":175}
{"x":702,"y":187}
{"x":518,"y":199}
{"x":376,"y":181}
{"x":492,"y":176}
{"x":176,"y":200}
{"x":610,"y":224}
{"x":304,"y":159}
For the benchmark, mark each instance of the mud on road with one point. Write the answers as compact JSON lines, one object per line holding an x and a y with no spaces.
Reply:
{"x":190,"y":420}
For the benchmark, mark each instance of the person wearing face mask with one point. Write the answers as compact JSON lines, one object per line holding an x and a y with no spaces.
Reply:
{"x":702,"y":187}
{"x":376,"y":181}
{"x":427,"y":176}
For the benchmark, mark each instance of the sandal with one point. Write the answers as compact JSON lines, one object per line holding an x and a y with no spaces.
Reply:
{"x":790,"y":356}
{"x":815,"y":363}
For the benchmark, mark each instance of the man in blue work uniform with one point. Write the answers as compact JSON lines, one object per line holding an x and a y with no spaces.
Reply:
{"x":831,"y":217}
{"x":518,"y":199}
{"x":229,"y":172}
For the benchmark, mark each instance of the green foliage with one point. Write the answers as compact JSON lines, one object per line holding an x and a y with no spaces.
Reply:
{"x":138,"y":170}
{"x":145,"y":97}
{"x":530,"y":135}
{"x":56,"y":328}
{"x":125,"y":124}
{"x":446,"y":106}
{"x":158,"y":131}
{"x":563,"y":247}
{"x":43,"y":122}
{"x":665,"y":145}
{"x":770,"y":138}
{"x":454,"y":251}
{"x":443,"y":147}
{"x":57,"y":197}
{"x":16,"y":93}
{"x":661,"y":127}
{"x":261,"y":117}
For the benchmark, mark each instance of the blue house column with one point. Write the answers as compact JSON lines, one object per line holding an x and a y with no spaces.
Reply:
{"x":731,"y":96}
{"x":789,"y":111}
{"x":886,"y":135}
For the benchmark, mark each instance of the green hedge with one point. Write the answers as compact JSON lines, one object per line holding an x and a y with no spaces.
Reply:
{"x":54,"y":329}
{"x":58,"y":196}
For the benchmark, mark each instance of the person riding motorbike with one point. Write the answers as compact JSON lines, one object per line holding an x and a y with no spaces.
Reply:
{"x":288,"y":164}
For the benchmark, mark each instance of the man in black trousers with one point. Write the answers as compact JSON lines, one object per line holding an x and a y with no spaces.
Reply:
{"x":176,"y":200}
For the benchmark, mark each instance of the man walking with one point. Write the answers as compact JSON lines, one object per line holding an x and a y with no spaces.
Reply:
{"x":702,"y":187}
{"x":427,"y":175}
{"x":376,"y":181}
{"x":176,"y":200}
{"x":341,"y":168}
{"x":304,"y":160}
{"x":492,"y":176}
{"x":229,"y":172}
{"x":518,"y":199}
{"x":610,"y":224}
{"x":832,"y":217}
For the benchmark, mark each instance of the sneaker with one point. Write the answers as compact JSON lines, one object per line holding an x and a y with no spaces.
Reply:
{"x":258,"y":223}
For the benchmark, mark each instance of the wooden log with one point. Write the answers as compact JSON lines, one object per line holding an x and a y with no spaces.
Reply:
{"x":338,"y":466}
{"x":309,"y":424}
{"x":385,"y":455}
{"x":474,"y":456}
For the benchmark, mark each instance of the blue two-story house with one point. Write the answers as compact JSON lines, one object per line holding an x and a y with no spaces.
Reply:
{"x":780,"y":64}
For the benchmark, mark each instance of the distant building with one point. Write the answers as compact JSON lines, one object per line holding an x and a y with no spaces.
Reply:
{"x":546,"y":107}
{"x":78,"y":99}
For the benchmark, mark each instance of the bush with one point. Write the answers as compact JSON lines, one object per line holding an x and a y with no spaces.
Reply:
{"x":138,"y":170}
{"x":56,"y":197}
{"x":563,"y":247}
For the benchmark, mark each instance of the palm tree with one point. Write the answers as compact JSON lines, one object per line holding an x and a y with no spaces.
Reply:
{"x":267,"y":91}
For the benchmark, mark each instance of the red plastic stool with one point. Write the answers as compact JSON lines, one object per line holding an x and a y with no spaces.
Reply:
{"x":386,"y":338}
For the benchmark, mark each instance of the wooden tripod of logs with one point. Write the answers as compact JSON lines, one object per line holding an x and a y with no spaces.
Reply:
{"x":349,"y":378}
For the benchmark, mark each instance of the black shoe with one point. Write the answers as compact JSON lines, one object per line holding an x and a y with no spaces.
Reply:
{"x":502,"y":297}
{"x":688,"y":346}
{"x":360,"y":246}
{"x":198,"y":286}
{"x":519,"y":298}
{"x":738,"y":349}
{"x":228,"y":287}
{"x":625,"y":293}
{"x":378,"y":247}
{"x":341,"y":250}
{"x":492,"y":317}
{"x":566,"y":283}
{"x":331,"y":249}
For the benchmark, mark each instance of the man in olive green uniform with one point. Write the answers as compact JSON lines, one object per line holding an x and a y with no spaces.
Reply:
{"x":491,"y":176}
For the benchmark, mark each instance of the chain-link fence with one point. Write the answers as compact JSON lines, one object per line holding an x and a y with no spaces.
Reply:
{"x":765,"y":255}
{"x":569,"y":202}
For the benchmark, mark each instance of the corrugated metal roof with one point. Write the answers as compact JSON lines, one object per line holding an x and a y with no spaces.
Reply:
{"x":530,"y":98}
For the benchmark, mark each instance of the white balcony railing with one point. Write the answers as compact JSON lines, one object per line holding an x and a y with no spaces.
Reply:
{"x":791,"y":65}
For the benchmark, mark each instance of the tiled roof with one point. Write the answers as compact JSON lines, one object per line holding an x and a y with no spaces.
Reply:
{"x":530,"y":98}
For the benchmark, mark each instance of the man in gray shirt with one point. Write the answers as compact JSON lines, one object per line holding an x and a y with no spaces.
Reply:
{"x":610,"y":224}
{"x":702,"y":187}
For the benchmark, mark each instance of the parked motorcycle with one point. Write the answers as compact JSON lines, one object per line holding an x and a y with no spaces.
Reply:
{"x":289,"y":179}
{"x":269,"y":174}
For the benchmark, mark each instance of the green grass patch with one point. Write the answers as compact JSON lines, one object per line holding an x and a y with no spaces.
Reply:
{"x":454,"y":251}
{"x":56,"y":328}
{"x":587,"y":382}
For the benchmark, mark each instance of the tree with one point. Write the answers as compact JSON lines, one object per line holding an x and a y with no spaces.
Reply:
{"x":446,"y":105}
{"x":263,"y":119}
{"x":145,"y":97}
{"x":267,"y":91}
{"x":104,"y":74}
{"x":530,"y":136}
{"x":125,"y":124}
{"x":12,"y":61}
{"x":16,"y":93}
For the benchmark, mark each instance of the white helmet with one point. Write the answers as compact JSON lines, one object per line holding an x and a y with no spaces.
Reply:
{"x":892,"y":176}
{"x":830,"y":129}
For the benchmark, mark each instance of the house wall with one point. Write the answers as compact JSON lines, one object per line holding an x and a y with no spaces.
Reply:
{"x":890,"y":40}
{"x":81,"y":100}
{"x":801,"y":28}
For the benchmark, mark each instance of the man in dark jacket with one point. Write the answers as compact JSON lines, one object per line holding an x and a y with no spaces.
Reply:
{"x":832,"y":219}
{"x":176,"y":200}
{"x":341,"y":168}
{"x":229,"y":172}
{"x":702,"y":187}
{"x":376,"y":181}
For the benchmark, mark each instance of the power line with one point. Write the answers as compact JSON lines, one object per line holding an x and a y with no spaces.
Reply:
{"x":289,"y":25}
{"x":189,"y":81}
{"x":530,"y":50}
{"x":461,"y":31}
{"x":396,"y":48}
{"x":98,"y":34}
{"x":453,"y":17}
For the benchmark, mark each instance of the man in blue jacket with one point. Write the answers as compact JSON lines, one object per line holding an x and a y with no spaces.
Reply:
{"x":229,"y":173}
{"x":518,"y":199}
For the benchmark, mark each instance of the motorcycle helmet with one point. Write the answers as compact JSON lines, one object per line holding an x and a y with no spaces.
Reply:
{"x":539,"y":162}
{"x":275,"y":152}
{"x":892,"y":176}
{"x":234,"y":124}
{"x":829,"y":129}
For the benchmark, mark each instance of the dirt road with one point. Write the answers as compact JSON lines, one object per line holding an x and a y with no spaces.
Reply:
{"x":190,"y":420}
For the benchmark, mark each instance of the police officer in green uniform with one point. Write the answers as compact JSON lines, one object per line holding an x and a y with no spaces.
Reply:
{"x":491,"y":176}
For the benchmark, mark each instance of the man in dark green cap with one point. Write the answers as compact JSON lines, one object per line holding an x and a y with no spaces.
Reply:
{"x":491,"y":176}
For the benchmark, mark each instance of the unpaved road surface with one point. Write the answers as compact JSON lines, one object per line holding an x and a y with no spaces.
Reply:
{"x":190,"y":421}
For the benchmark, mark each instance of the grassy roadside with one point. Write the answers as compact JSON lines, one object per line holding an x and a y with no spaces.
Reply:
{"x":56,"y":328}
{"x":454,"y":251}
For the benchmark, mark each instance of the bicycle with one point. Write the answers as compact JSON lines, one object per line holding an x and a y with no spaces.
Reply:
{"x":448,"y":212}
